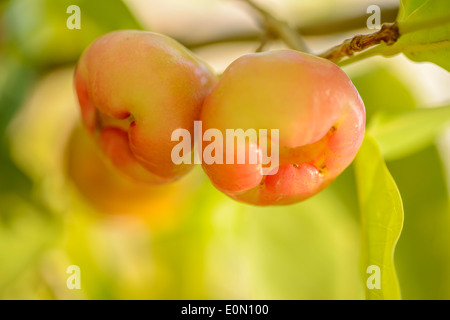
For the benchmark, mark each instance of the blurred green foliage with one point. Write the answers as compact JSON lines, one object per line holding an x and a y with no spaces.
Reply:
{"x":218,"y":249}
{"x":381,"y":220}
{"x":36,"y":29}
{"x":423,"y":251}
{"x":401,"y":134}
{"x":422,"y":254}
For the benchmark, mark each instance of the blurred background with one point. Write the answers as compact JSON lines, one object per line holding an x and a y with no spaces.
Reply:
{"x":62,"y":204}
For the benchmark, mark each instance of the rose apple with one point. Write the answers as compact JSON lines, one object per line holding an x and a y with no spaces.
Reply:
{"x":313,"y":104}
{"x":134,"y":89}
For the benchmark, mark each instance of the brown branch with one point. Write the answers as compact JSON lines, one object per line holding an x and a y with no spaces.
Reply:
{"x":388,"y":34}
{"x":279,"y":28}
{"x":336,"y":25}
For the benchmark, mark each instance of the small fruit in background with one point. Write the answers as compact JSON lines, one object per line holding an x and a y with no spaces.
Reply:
{"x":314,"y":105}
{"x":111,"y":192}
{"x":134,"y":89}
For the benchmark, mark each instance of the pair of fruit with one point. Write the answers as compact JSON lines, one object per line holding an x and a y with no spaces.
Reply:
{"x":136,"y":88}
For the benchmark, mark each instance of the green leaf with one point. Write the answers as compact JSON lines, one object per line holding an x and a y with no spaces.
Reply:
{"x":425,"y":29}
{"x":381,"y":220}
{"x":16,"y":80}
{"x":403,"y":133}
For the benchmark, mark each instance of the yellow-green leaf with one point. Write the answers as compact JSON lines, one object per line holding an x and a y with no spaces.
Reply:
{"x":425,"y":29}
{"x":37,"y":29}
{"x":403,"y":133}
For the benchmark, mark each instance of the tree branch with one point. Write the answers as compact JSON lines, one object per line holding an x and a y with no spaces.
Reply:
{"x":279,"y":28}
{"x":388,"y":34}
{"x":338,"y":24}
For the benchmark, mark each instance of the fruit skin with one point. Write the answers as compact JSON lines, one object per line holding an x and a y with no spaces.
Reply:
{"x":134,"y":89}
{"x":319,"y":114}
